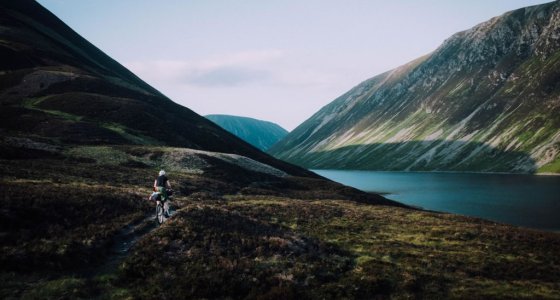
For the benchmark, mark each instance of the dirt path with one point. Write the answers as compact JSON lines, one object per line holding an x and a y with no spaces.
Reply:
{"x":123,"y":241}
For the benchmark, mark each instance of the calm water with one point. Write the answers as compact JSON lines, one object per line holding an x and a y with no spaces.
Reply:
{"x":524,"y":200}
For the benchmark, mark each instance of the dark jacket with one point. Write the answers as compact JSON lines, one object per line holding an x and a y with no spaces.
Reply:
{"x":162,"y":181}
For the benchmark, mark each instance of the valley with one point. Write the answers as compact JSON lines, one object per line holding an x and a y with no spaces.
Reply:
{"x":82,"y":139}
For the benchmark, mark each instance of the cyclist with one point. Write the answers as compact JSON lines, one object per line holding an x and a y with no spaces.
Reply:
{"x":161,"y":184}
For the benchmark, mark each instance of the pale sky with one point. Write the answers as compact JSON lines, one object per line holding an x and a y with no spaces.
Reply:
{"x":275,"y":60}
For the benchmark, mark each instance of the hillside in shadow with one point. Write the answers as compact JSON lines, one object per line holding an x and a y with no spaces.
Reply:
{"x":55,"y":84}
{"x":419,"y":156}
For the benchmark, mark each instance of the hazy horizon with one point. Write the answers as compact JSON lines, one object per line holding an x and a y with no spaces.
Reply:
{"x":278,"y":61}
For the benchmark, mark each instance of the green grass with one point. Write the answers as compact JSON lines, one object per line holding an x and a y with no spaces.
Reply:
{"x":32,"y":103}
{"x":101,"y":154}
{"x":552,"y":167}
{"x":72,"y":287}
{"x":60,"y":288}
{"x":135,"y":138}
{"x":63,"y":115}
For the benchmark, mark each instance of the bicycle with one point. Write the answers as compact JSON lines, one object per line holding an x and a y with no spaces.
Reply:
{"x":162,"y":206}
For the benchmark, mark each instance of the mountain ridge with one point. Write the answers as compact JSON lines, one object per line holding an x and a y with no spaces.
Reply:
{"x":486,"y":90}
{"x":56,"y":85}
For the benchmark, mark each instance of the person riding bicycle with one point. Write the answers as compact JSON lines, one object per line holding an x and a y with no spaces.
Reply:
{"x":161,"y":184}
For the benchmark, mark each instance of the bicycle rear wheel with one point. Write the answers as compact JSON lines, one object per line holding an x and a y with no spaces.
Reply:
{"x":159,"y":213}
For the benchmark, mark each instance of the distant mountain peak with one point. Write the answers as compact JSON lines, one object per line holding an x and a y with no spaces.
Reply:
{"x":259,"y":133}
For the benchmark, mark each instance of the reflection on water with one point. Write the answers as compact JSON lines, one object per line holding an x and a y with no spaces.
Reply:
{"x":524,"y":200}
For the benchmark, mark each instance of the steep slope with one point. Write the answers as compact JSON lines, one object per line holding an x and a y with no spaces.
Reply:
{"x":54,"y":84}
{"x":488,"y":99}
{"x":261,"y":134}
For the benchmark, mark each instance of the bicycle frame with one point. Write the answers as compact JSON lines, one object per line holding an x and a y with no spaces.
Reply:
{"x":162,"y":208}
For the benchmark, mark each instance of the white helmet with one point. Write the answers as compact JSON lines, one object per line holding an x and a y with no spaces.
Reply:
{"x":161,"y":173}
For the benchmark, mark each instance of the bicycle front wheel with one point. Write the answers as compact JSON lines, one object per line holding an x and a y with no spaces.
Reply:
{"x":159,"y":213}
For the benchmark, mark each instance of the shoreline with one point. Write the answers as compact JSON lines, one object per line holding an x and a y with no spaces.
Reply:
{"x":553,"y":230}
{"x":379,"y":190}
{"x":442,"y":172}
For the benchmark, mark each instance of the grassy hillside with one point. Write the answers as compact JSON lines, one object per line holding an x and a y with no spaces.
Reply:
{"x":240,"y":233}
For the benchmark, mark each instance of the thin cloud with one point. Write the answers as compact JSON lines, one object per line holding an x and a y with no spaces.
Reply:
{"x":263,"y":67}
{"x":227,"y":76}
{"x":227,"y":70}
